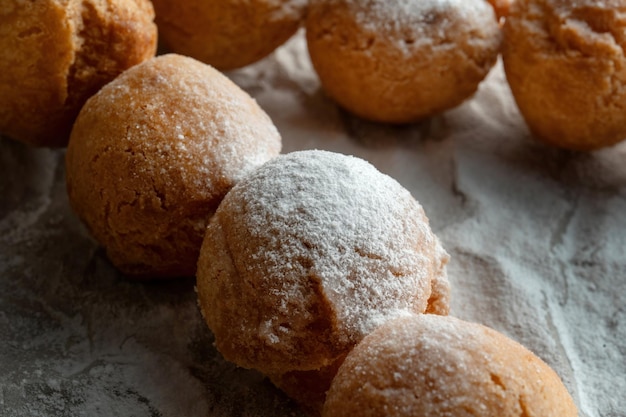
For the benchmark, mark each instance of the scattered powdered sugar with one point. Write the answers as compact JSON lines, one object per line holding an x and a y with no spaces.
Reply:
{"x":307,"y":255}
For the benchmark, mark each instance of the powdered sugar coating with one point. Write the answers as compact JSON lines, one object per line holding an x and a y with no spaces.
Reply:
{"x":412,"y":24}
{"x":308,"y":255}
{"x":425,"y":365}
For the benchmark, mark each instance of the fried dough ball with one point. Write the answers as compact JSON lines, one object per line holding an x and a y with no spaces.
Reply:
{"x":55,"y":54}
{"x":399,"y":61}
{"x":565,"y":64}
{"x":153,"y":153}
{"x":427,"y":365}
{"x":310,"y":253}
{"x":227,"y":34}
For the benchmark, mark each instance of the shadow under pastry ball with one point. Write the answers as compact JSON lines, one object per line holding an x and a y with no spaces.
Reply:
{"x":565,"y":63}
{"x":55,"y":54}
{"x":227,"y":34}
{"x":310,"y":253}
{"x":427,"y":365}
{"x":153,"y":153}
{"x":398,"y":61}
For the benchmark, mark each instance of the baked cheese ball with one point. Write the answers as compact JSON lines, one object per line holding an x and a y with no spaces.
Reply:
{"x":427,"y":365}
{"x":399,"y":61}
{"x":153,"y":153}
{"x":565,"y":63}
{"x":55,"y":54}
{"x":227,"y":34}
{"x":310,"y":253}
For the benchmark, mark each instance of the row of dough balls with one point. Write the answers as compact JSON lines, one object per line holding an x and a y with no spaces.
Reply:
{"x":305,"y":256}
{"x":323,"y":273}
{"x":400,"y":61}
{"x":302,"y":256}
{"x":390,"y":61}
{"x":54,"y":54}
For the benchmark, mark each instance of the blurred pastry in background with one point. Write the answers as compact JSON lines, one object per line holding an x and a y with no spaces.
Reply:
{"x":55,"y":54}
{"x":565,"y":64}
{"x":227,"y":34}
{"x":399,"y":61}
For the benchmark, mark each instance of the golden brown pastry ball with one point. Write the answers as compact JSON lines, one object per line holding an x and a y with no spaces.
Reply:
{"x":153,"y":153}
{"x":227,"y":34}
{"x":307,"y":255}
{"x":401,"y":60}
{"x":565,"y":63}
{"x":426,"y":365}
{"x":55,"y":54}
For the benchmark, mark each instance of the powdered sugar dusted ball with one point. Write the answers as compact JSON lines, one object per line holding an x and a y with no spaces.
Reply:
{"x":425,"y":365}
{"x":152,"y":155}
{"x":227,"y":33}
{"x":401,"y":60}
{"x":310,"y":253}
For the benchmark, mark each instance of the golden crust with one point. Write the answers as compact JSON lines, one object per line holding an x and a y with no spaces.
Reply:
{"x":393,"y":65}
{"x":54,"y":54}
{"x":153,"y":153}
{"x":427,"y":365}
{"x":227,"y":34}
{"x":566,"y":67}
